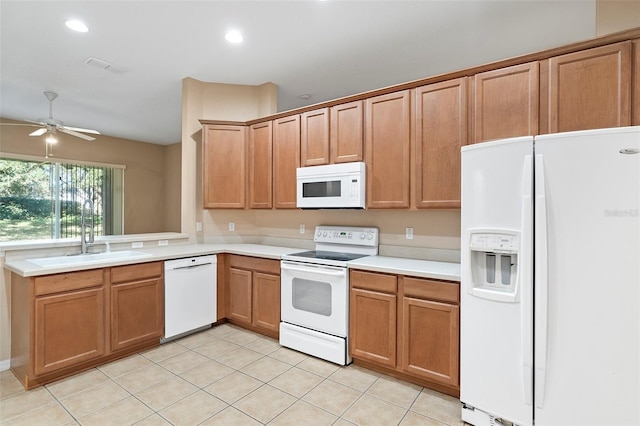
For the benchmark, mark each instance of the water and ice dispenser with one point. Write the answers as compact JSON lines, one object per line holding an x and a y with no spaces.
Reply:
{"x":493,"y":258}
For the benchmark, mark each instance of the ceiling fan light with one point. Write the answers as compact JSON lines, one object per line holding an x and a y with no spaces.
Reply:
{"x":77,"y":25}
{"x":51,"y":139}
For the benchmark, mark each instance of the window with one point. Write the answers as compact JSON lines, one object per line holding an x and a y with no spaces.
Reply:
{"x":42,"y":200}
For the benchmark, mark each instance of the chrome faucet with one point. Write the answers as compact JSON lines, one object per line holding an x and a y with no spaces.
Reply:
{"x":83,"y":227}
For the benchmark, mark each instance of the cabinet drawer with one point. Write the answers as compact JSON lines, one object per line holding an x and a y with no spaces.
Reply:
{"x":430,"y":289}
{"x":374,"y":281}
{"x":69,"y":281}
{"x":128,"y":273}
{"x":269,"y":266}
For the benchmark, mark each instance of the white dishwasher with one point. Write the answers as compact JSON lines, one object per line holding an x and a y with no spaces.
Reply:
{"x":190,"y":295}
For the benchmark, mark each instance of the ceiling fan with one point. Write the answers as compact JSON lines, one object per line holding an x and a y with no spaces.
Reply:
{"x":51,"y":125}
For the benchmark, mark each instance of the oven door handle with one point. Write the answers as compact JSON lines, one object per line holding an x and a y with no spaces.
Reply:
{"x":314,"y":269}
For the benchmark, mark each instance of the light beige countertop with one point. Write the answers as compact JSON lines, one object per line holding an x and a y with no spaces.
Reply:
{"x":413,"y":267}
{"x":394,"y":265}
{"x":27,"y":269}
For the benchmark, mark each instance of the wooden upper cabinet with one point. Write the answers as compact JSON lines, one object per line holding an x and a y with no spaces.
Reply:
{"x":590,"y":89}
{"x":314,"y":137}
{"x":260,"y":165}
{"x":286,"y":159}
{"x":505,"y":102}
{"x":224,"y":170}
{"x":441,"y":130}
{"x":635,"y":103}
{"x":387,"y":149}
{"x":346,"y":132}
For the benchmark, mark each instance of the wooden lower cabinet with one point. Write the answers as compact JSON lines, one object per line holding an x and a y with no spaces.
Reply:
{"x":137,"y":305}
{"x":407,"y":327}
{"x":266,"y":301}
{"x":430,"y":339}
{"x":63,"y":323}
{"x":377,"y":340}
{"x":240,"y":301}
{"x":254,"y":294}
{"x":69,"y":329}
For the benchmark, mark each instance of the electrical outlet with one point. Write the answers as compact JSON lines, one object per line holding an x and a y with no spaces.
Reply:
{"x":137,"y":245}
{"x":198,"y":226}
{"x":408,"y":233}
{"x":302,"y":230}
{"x":163,"y":242}
{"x":232,"y":226}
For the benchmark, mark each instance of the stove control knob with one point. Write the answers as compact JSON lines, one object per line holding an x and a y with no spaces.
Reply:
{"x":324,"y":234}
{"x":370,"y":236}
{"x":318,"y":234}
{"x":362,"y":236}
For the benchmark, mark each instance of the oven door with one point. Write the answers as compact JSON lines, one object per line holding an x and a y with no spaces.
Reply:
{"x":315,"y":297}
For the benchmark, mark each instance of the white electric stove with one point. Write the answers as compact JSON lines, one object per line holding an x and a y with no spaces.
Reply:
{"x":315,"y":291}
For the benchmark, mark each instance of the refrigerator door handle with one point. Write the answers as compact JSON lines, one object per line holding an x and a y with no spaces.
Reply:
{"x":541,"y":281}
{"x":526,"y":287}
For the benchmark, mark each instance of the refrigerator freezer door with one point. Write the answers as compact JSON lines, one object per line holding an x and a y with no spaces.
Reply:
{"x":587,"y":370}
{"x":496,"y":333}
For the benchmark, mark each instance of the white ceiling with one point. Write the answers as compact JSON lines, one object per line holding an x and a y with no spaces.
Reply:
{"x":328,"y":49}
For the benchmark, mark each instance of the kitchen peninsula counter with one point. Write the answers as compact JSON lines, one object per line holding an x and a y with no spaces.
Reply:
{"x":25,"y":268}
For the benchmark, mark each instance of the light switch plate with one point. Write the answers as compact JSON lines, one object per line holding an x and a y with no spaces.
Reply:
{"x":198,"y":226}
{"x":232,"y":226}
{"x":163,"y":242}
{"x":137,"y":245}
{"x":302,"y":229}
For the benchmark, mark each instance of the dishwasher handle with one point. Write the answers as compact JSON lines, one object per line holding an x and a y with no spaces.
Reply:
{"x":191,"y":266}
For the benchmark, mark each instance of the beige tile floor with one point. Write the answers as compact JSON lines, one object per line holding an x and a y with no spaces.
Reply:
{"x":225,"y":376}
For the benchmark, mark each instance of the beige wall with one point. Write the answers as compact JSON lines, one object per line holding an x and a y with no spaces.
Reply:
{"x":144,"y":178}
{"x":151,"y":188}
{"x":616,"y":15}
{"x":213,"y":101}
{"x":172,"y":178}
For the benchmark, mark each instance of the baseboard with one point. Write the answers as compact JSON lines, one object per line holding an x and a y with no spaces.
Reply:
{"x":5,"y":364}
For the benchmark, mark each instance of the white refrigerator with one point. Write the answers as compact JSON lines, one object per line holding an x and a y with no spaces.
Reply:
{"x":550,"y":286}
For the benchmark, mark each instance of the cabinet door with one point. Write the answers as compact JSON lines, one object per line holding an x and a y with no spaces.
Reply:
{"x":224,"y":176}
{"x":372,"y":326}
{"x":136,"y":313}
{"x":387,"y":148}
{"x":505,"y":102}
{"x":346,"y":132}
{"x":69,"y":329}
{"x":441,"y":130}
{"x":260,"y":166}
{"x":590,"y":89}
{"x":314,"y":137}
{"x":240,"y":295}
{"x":430,"y":340}
{"x":286,"y":158}
{"x":266,"y":302}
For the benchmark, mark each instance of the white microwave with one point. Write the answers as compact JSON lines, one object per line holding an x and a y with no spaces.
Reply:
{"x":334,"y":186}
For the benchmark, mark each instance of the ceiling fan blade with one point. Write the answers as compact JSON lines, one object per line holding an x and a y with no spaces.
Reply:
{"x":41,"y":122}
{"x":39,"y":132}
{"x":76,"y":134}
{"x":19,"y":124}
{"x":80,"y":129}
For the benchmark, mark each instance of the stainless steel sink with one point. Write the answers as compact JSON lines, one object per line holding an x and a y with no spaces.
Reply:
{"x":84,"y":259}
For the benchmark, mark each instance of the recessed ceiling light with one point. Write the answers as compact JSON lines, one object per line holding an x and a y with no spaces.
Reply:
{"x":305,"y":96}
{"x":76,"y":25}
{"x":233,"y":36}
